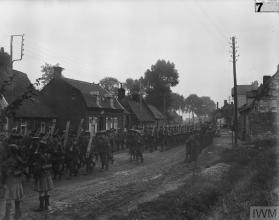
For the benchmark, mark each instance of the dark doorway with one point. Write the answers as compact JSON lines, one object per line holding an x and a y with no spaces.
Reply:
{"x":101,"y":123}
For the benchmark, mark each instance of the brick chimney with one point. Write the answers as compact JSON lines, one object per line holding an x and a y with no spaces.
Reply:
{"x":5,"y":61}
{"x":57,"y":72}
{"x":225,"y":102}
{"x":121,"y":93}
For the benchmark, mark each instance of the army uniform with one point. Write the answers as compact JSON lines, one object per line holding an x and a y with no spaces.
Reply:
{"x":130,"y":144}
{"x":103,"y":148}
{"x":12,"y":171}
{"x":42,"y":177}
{"x":162,"y":138}
{"x":148,"y":140}
{"x":139,"y":147}
{"x":112,"y":145}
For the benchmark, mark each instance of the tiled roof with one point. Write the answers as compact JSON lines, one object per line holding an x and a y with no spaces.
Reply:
{"x":156,"y":113}
{"x":89,"y":91}
{"x":29,"y":108}
{"x":17,"y":87}
{"x":34,"y":107}
{"x":141,"y":111}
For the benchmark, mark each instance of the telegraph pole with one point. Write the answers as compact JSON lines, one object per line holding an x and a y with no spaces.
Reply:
{"x":235,"y":91}
{"x":12,"y":60}
{"x":11,"y":48}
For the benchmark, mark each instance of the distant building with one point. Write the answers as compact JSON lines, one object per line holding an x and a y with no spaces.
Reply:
{"x":73,"y":100}
{"x":260,"y":116}
{"x":242,"y":91}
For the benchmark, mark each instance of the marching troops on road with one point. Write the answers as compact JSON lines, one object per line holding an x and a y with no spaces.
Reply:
{"x":47,"y":157}
{"x":197,"y":141}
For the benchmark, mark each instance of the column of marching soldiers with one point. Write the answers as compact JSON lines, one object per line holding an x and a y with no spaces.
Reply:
{"x":44,"y":157}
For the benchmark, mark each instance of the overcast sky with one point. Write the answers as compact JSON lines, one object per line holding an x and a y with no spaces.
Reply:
{"x":94,"y":39}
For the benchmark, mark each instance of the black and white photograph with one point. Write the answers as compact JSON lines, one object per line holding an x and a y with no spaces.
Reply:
{"x":139,"y":109}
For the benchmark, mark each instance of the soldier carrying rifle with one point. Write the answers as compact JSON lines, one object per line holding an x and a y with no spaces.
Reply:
{"x":12,"y":170}
{"x":42,"y":177}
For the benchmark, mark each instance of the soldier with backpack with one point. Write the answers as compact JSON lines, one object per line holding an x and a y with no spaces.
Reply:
{"x":12,"y":170}
{"x":103,"y":148}
{"x":42,"y":177}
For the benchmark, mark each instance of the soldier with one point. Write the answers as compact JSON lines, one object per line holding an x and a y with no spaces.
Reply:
{"x":12,"y":171}
{"x":57,"y":158}
{"x":162,"y":138}
{"x":103,"y":148}
{"x":188,"y":147}
{"x":148,"y":139}
{"x":72,"y":157}
{"x":167,"y":135}
{"x":139,"y":146}
{"x":130,"y":144}
{"x":118,"y":140}
{"x":111,"y":137}
{"x":42,"y":178}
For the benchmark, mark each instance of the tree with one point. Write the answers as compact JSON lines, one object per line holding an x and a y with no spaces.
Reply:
{"x":157,"y":81}
{"x":200,"y":106}
{"x":48,"y":73}
{"x":208,"y":106}
{"x":132,"y":86}
{"x":110,"y":84}
{"x":193,"y":103}
{"x":177,"y":102}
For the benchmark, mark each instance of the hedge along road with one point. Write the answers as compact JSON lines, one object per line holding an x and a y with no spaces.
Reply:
{"x":122,"y":187}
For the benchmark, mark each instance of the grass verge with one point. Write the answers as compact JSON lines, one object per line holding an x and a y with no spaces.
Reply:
{"x":250,"y":181}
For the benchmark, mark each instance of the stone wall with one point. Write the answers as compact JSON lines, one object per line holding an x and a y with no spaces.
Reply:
{"x":262,"y":124}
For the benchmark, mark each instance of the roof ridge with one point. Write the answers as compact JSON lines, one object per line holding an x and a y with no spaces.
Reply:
{"x":80,"y":81}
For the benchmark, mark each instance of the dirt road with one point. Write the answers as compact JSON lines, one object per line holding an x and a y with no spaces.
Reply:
{"x":102,"y":194}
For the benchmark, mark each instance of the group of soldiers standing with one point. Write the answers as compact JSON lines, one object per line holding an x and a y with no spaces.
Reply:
{"x":197,"y":141}
{"x":47,"y":157}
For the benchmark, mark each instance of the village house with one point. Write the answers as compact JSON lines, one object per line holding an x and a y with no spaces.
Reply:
{"x":137,"y":112}
{"x":259,"y":118}
{"x":73,"y":100}
{"x":29,"y":113}
{"x":158,"y":116}
{"x":242,"y":91}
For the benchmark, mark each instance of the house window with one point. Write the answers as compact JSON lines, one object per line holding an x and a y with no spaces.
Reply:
{"x":115,"y":123}
{"x":43,"y":127}
{"x":107,"y":123}
{"x":273,"y":106}
{"x":111,"y":123}
{"x":93,"y":124}
{"x":23,"y":127}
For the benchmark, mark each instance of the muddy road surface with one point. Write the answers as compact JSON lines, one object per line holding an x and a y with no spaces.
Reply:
{"x":103,"y":194}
